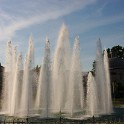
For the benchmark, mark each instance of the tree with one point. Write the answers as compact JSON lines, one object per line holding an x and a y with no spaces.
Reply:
{"x":116,"y":51}
{"x":37,"y":69}
{"x":109,"y":52}
{"x":93,"y":69}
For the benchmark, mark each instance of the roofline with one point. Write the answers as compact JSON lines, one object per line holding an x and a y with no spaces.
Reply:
{"x":115,"y":68}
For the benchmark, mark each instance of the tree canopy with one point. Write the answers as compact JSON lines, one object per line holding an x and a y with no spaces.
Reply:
{"x":116,"y":51}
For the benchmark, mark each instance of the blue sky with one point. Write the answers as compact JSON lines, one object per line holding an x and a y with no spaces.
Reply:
{"x":89,"y":19}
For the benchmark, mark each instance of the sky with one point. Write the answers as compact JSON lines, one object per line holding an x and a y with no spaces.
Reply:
{"x":88,"y":19}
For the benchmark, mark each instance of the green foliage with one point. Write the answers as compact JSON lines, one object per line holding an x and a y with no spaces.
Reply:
{"x":93,"y":69}
{"x":109,"y":52}
{"x":116,"y":51}
{"x":37,"y":69}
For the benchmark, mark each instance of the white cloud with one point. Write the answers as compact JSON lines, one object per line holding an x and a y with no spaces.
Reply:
{"x":33,"y":14}
{"x":18,"y":15}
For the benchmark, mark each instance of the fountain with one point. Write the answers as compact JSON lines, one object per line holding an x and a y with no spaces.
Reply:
{"x":10,"y":96}
{"x":103,"y":81}
{"x":16,"y":86}
{"x":99,"y":99}
{"x":43,"y":98}
{"x":59,"y":90}
{"x":60,"y":71}
{"x":107,"y":84}
{"x":75,"y":88}
{"x":92,"y":96}
{"x":26,"y":94}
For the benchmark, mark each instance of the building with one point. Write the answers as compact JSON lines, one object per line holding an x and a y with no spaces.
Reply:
{"x":116,"y":66}
{"x":1,"y":78}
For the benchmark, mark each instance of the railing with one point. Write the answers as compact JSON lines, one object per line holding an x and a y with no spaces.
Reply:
{"x":59,"y":121}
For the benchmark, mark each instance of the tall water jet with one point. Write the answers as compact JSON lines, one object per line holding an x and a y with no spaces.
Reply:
{"x":75,"y":88}
{"x":26,"y":97}
{"x":8,"y":78}
{"x":60,"y":70}
{"x":100,"y":79}
{"x":43,"y":99}
{"x":92,"y":96}
{"x":16,"y":88}
{"x":59,"y":87}
{"x":109,"y":107}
